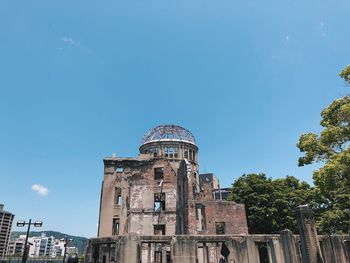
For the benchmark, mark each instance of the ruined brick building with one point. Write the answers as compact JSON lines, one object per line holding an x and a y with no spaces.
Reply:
{"x":157,"y":208}
{"x":160,"y":192}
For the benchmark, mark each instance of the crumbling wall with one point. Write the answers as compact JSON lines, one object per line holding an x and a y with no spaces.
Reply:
{"x":134,"y":180}
{"x":208,"y":249}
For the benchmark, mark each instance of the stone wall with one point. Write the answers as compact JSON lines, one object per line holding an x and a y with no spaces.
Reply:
{"x":282,"y":248}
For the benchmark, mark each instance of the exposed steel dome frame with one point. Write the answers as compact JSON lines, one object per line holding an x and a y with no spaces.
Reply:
{"x":168,"y":133}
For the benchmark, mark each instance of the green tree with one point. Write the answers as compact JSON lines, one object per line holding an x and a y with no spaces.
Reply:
{"x":345,"y":74}
{"x":270,"y":203}
{"x":331,"y":147}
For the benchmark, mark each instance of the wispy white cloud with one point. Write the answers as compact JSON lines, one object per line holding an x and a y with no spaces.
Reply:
{"x":69,"y":40}
{"x":40,"y":189}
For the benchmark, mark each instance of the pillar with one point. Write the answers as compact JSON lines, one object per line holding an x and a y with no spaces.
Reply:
{"x":310,"y":247}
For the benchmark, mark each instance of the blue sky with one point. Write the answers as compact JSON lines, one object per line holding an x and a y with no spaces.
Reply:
{"x":80,"y":80}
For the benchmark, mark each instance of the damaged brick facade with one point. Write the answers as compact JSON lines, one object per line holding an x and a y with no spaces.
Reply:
{"x":160,"y":192}
{"x":157,"y":208}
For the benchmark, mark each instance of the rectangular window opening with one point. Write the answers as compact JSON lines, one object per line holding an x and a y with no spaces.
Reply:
{"x":159,"y":230}
{"x":118,"y":196}
{"x":176,"y":152}
{"x":200,"y":217}
{"x":220,"y":228}
{"x":191,"y":155}
{"x":158,"y":173}
{"x":120,"y":169}
{"x":115,"y":231}
{"x":154,"y":150}
{"x":186,"y":153}
{"x":263,"y":252}
{"x":159,"y":202}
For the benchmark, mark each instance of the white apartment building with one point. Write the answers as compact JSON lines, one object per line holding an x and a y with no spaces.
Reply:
{"x":40,"y":246}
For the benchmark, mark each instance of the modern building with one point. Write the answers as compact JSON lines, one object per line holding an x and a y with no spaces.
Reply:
{"x":6,"y":219}
{"x":59,"y":248}
{"x":41,"y":246}
{"x":160,"y":192}
{"x":16,"y":246}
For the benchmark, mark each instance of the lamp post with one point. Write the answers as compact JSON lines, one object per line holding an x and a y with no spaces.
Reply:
{"x":66,"y":241}
{"x":22,"y":223}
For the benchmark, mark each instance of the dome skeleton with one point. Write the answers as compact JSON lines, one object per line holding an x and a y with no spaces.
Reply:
{"x":168,"y":132}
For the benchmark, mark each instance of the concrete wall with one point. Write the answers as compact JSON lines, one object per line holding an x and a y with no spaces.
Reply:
{"x":283,"y":248}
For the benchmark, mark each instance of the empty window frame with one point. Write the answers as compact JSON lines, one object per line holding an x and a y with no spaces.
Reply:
{"x":171,"y":152}
{"x":154,"y":150}
{"x":159,"y":230}
{"x":118,"y":196}
{"x":166,"y":152}
{"x":115,"y":230}
{"x":158,"y":173}
{"x":186,"y":153}
{"x":263,"y":252}
{"x":200,"y":217}
{"x":220,"y":228}
{"x":119,"y":169}
{"x":176,"y":152}
{"x":159,"y":202}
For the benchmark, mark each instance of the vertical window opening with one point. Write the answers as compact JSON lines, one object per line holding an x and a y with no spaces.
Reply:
{"x":186,"y":153}
{"x":115,"y":231}
{"x":159,"y":202}
{"x":200,"y":217}
{"x":158,"y":173}
{"x":118,"y":196}
{"x":176,"y":152}
{"x":166,"y":152}
{"x":263,"y":253}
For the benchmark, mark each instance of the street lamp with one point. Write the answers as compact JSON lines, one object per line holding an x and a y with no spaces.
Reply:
{"x":22,"y":223}
{"x":66,"y":241}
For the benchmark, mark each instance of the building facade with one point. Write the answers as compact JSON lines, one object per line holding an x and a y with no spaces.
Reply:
{"x":41,"y":246}
{"x":6,"y":219}
{"x":157,"y":208}
{"x":160,"y":192}
{"x":16,"y":246}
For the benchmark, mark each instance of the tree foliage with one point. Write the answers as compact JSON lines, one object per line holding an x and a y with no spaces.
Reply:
{"x":332,"y":148}
{"x":345,"y":74}
{"x":270,"y":203}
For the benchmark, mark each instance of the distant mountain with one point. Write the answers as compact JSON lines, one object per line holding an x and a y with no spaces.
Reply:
{"x":78,"y":242}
